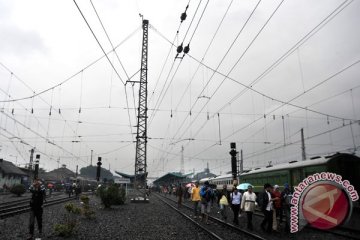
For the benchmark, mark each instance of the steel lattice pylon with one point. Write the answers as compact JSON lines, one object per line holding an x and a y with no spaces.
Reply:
{"x":141,"y":135}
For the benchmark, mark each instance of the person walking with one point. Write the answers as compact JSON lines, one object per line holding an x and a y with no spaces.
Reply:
{"x":267,"y":208}
{"x":248,"y":204}
{"x":69,"y":190}
{"x":77,"y":191}
{"x":223,"y":201}
{"x":205,"y":193}
{"x":235,"y":198}
{"x":285,"y":204}
{"x":179,"y":193}
{"x":38,"y":196}
{"x":195,"y":198}
{"x":277,"y":207}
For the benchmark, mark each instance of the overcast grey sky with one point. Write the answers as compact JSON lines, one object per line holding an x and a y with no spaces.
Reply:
{"x":290,"y":65}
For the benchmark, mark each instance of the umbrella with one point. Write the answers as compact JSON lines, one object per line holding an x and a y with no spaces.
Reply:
{"x":189,"y":185}
{"x":50,"y":185}
{"x":243,"y":186}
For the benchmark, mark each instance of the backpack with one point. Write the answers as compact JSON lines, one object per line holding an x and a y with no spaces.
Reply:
{"x":207,"y":197}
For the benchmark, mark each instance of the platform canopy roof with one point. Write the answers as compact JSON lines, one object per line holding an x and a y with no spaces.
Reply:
{"x":170,"y":178}
{"x":131,"y":177}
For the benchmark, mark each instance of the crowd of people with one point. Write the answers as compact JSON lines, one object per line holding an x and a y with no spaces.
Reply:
{"x":274,"y":204}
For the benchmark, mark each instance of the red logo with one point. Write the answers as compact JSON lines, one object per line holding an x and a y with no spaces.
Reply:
{"x":325,"y":206}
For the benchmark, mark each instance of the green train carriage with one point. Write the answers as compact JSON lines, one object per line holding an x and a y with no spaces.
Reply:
{"x":346,"y":165}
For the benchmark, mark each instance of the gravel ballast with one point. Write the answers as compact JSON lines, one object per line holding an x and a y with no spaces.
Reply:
{"x":151,"y":220}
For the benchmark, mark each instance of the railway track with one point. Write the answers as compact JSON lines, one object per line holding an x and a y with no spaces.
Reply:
{"x":346,"y":232}
{"x":23,"y":206}
{"x":21,"y":201}
{"x":216,"y":229}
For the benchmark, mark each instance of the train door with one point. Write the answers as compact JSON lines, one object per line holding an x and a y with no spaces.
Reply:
{"x":295,"y":177}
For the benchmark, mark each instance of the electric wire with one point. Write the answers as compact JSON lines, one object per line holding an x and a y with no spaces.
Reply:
{"x":107,"y":35}
{"x":221,"y":61}
{"x":305,"y":38}
{"x":35,"y":94}
{"x":102,"y":49}
{"x":167,"y":57}
{"x":330,"y":16}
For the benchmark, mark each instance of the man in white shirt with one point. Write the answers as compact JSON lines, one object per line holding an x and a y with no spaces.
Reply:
{"x":248,"y":204}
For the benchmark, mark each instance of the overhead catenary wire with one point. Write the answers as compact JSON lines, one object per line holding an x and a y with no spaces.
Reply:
{"x":329,"y":16}
{"x":342,"y":70}
{"x":108,"y":37}
{"x":241,"y":56}
{"x":36,"y":133}
{"x":197,"y":25}
{"x":342,"y":6}
{"x":208,"y":49}
{"x":221,"y":61}
{"x":248,"y":156}
{"x":38,"y":93}
{"x":250,"y":87}
{"x":102,"y":49}
{"x":244,"y":25}
{"x":183,"y":17}
{"x":59,"y":85}
{"x":162,"y":97}
{"x":204,"y":55}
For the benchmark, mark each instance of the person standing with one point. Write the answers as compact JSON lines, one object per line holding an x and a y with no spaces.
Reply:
{"x":206,"y":193}
{"x":77,"y":191}
{"x":285,"y":202}
{"x":248,"y":204}
{"x":223,"y":199}
{"x":267,"y":208}
{"x":38,"y":195}
{"x":277,"y":207}
{"x":235,"y":198}
{"x":179,"y":193}
{"x":195,"y":198}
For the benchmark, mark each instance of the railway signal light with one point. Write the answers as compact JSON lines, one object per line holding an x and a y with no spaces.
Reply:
{"x":98,"y":169}
{"x":36,"y":171}
{"x":233,"y":154}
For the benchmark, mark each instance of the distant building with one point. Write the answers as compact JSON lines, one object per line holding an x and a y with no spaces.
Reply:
{"x":59,"y":175}
{"x":205,"y":174}
{"x":10,"y":174}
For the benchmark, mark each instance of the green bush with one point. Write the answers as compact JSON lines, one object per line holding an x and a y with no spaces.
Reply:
{"x":111,"y":195}
{"x":71,"y":208}
{"x":120,"y":198}
{"x":67,"y":228}
{"x":18,"y":189}
{"x":86,"y":210}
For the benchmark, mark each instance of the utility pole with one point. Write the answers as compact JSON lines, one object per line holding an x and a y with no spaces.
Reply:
{"x":303,"y":145}
{"x":91,"y":157}
{"x":241,"y":162}
{"x":141,"y":134}
{"x":182,"y":170}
